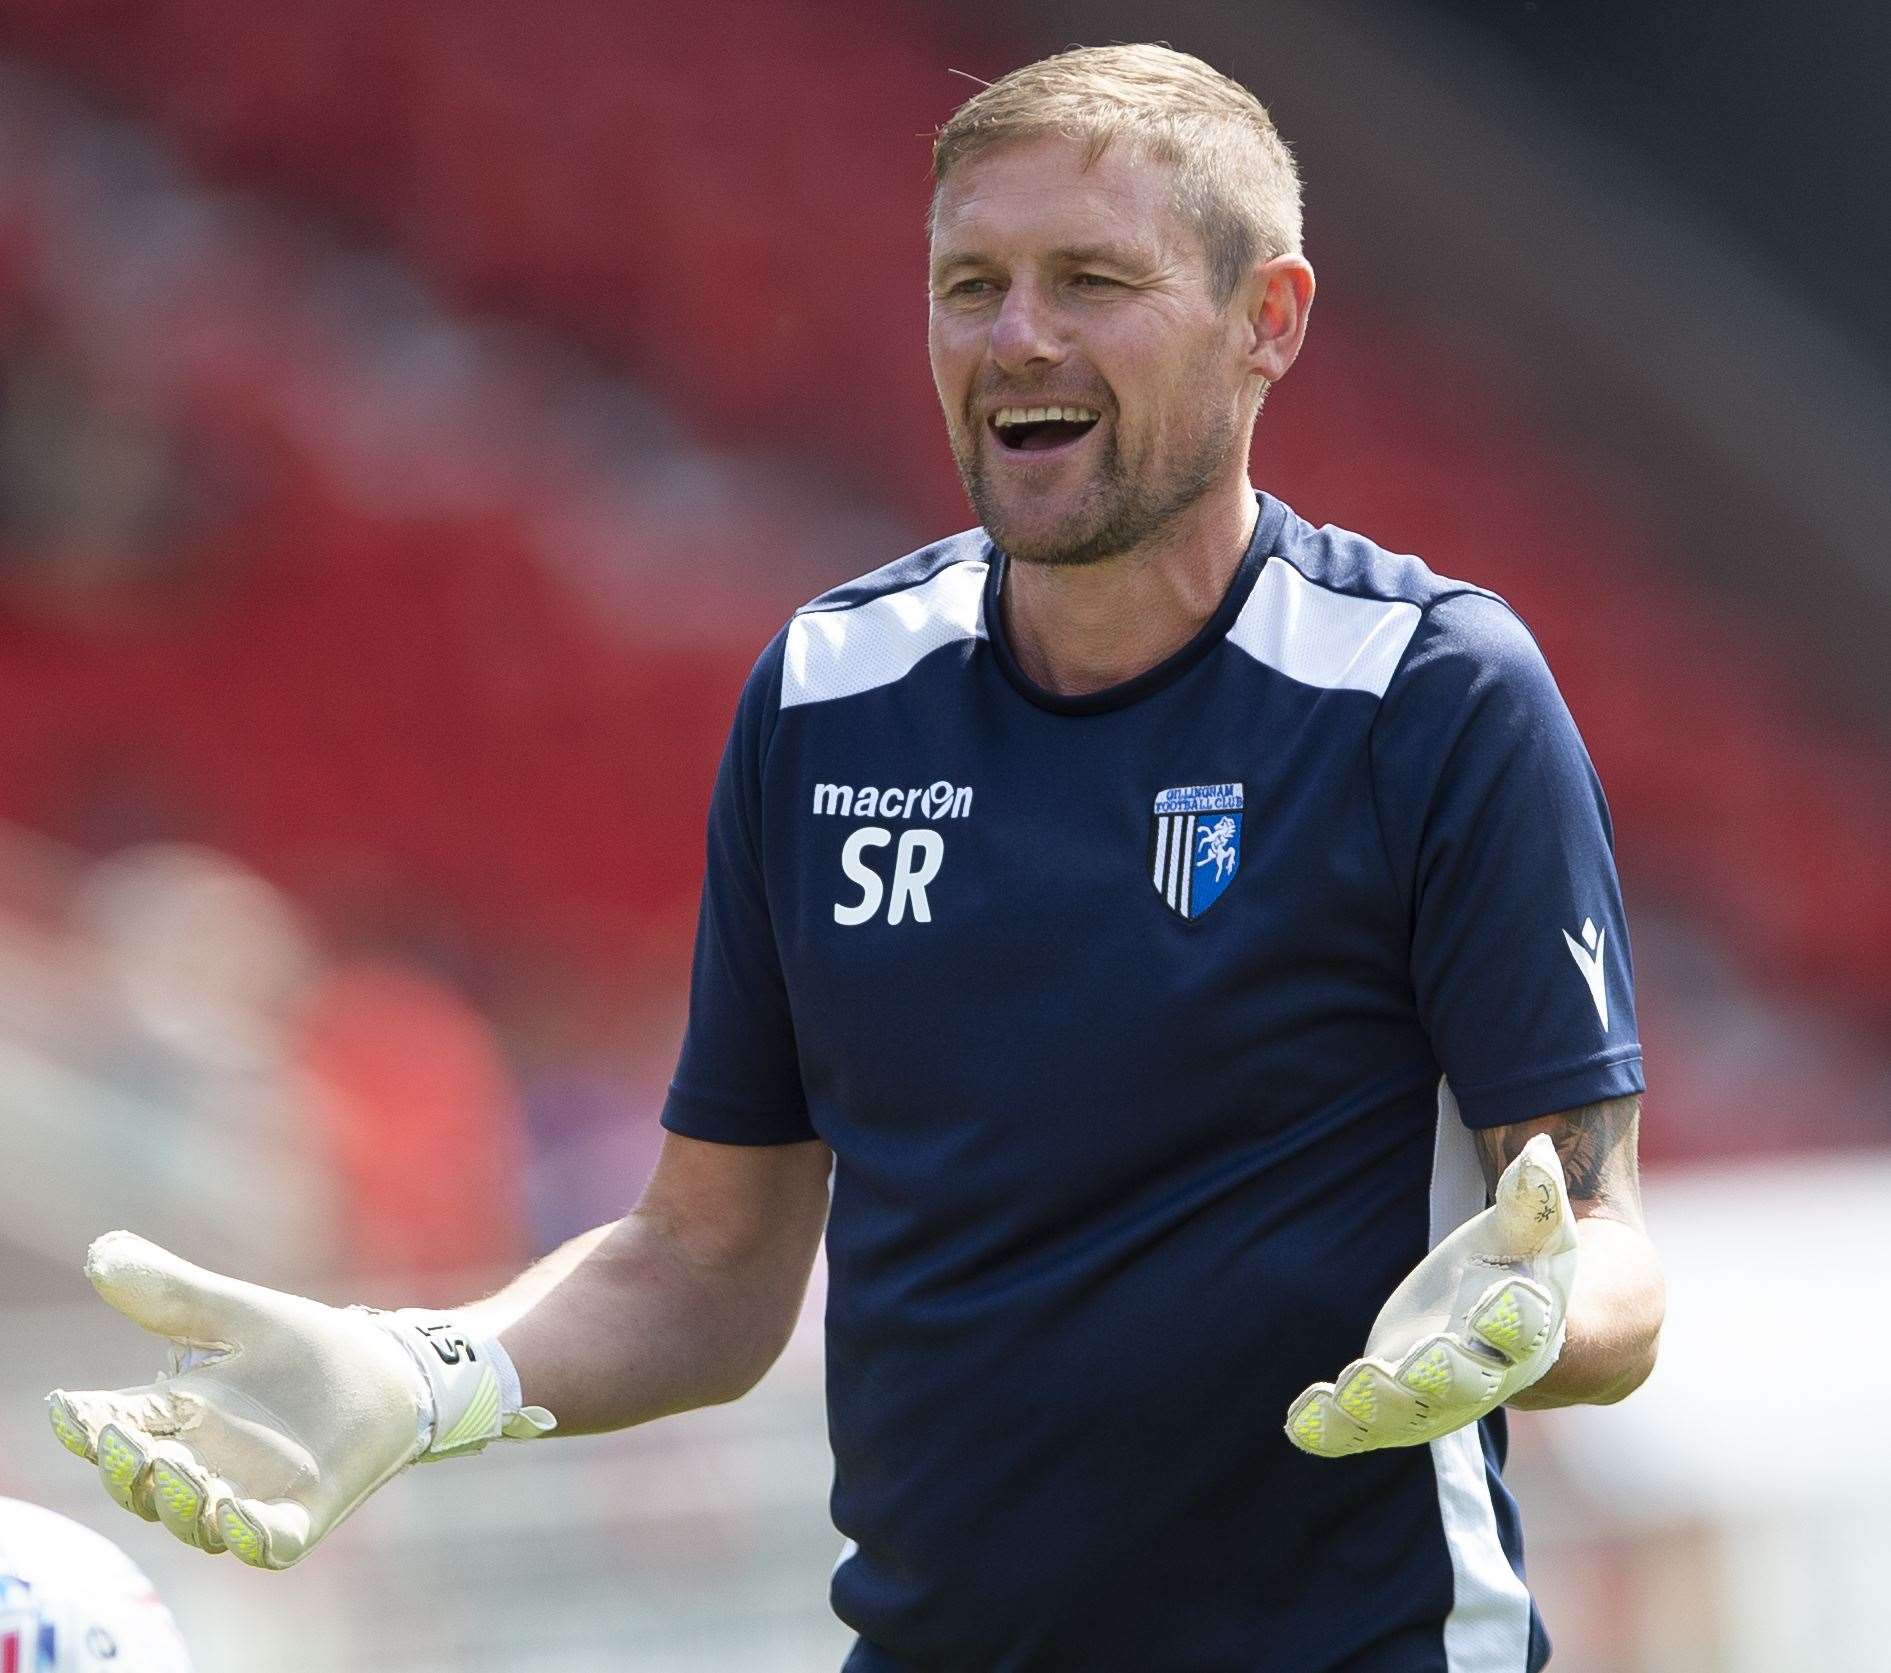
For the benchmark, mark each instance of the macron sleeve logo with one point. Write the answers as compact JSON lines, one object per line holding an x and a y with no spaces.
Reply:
{"x":1588,"y":956}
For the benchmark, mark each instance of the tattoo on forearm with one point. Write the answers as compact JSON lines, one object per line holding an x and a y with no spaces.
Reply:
{"x":1596,"y":1145}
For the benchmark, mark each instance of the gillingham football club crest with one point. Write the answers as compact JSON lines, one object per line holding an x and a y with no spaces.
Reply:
{"x":1195,"y":845}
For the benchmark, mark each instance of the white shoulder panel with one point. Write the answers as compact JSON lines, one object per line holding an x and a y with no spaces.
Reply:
{"x":1323,"y":638}
{"x":840,"y":653}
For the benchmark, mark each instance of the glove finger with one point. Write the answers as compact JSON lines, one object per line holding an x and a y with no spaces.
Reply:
{"x":166,"y":1294}
{"x":1446,"y":1377}
{"x":1315,"y":1424}
{"x":180,"y":1493}
{"x":265,"y":1533}
{"x":1367,"y":1391}
{"x":123,"y":1454}
{"x":1531,"y":1200}
{"x":158,"y":1409}
{"x":1515,"y":1317}
{"x":76,"y":1420}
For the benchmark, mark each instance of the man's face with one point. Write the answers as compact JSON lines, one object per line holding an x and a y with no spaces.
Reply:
{"x":1082,"y":290}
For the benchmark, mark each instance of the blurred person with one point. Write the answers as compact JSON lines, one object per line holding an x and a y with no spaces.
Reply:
{"x":368,"y":1096}
{"x":422,"y":1116}
{"x":72,"y":1602}
{"x":210,"y":966}
{"x":208,"y":955}
{"x":1170,"y":924}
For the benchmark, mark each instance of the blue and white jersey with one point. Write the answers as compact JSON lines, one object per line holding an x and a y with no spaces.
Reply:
{"x":1146,"y":1028}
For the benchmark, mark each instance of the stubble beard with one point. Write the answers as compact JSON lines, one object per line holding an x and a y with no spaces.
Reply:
{"x":1118,"y":510}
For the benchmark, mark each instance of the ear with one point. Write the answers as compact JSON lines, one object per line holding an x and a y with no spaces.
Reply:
{"x":1277,"y":299}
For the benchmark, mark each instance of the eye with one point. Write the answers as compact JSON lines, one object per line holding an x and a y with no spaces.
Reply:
{"x":968,"y":287}
{"x":1094,"y":281}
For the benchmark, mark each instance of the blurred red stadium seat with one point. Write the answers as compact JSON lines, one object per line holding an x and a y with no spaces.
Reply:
{"x":599,"y":167}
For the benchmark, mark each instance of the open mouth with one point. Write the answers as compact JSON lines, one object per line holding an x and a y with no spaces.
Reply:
{"x":1041,"y":429}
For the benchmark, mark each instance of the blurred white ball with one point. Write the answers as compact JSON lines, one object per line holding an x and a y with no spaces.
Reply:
{"x":72,"y":1602}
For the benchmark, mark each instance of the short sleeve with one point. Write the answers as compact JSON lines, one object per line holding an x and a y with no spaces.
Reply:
{"x":1499,"y":836}
{"x":738,"y":1077}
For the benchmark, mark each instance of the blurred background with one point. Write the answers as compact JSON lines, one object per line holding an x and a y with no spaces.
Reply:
{"x":414,"y":418}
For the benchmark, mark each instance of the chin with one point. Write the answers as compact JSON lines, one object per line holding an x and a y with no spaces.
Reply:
{"x":1067,"y":542}
{"x":1050,"y":544}
{"x":1038,"y":536}
{"x":1053,"y":553}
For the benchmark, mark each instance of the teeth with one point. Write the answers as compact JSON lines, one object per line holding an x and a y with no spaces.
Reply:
{"x":1043,"y":415}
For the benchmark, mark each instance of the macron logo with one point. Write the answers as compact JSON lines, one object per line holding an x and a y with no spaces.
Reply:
{"x":939,"y":800}
{"x":1588,"y":956}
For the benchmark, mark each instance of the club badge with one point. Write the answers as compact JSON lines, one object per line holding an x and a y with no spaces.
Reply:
{"x":1195,"y":845}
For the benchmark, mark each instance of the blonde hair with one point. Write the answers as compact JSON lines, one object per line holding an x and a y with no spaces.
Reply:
{"x":1235,"y":179}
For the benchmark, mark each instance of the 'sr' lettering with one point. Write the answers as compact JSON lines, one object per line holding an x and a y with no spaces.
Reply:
{"x":916,"y":864}
{"x":853,"y":862}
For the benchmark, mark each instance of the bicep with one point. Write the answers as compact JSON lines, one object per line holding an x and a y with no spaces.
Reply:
{"x":1597,"y":1147}
{"x":736,"y":1205}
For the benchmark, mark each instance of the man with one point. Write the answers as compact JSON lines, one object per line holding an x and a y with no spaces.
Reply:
{"x":1155,"y":910}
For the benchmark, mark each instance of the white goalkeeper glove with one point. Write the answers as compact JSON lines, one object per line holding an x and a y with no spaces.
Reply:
{"x":278,"y":1415}
{"x":1478,"y":1320}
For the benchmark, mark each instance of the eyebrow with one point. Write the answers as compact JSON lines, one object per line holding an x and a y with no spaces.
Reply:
{"x":1129,"y":256}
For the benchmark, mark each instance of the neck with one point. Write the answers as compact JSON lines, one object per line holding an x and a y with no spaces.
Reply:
{"x":1079,"y":628}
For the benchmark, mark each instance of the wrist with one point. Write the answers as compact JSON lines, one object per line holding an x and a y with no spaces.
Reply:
{"x":470,"y":1387}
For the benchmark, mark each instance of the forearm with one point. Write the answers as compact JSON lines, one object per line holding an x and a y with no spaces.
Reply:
{"x":1615,"y":1316}
{"x":499,"y":1313}
{"x":622,"y":1325}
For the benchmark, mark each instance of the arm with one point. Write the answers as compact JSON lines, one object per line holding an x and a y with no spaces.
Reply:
{"x":1616,"y":1309}
{"x":1551,"y":1296}
{"x":279,"y":1415}
{"x":684,"y":1302}
{"x":1499,"y":838}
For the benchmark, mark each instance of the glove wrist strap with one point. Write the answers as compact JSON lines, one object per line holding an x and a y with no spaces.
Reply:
{"x":472,"y":1386}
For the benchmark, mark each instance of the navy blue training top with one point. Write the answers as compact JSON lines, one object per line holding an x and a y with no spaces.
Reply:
{"x":1146,"y":1028}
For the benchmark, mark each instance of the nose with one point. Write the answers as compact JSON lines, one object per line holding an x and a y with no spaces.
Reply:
{"x":1024,"y":333}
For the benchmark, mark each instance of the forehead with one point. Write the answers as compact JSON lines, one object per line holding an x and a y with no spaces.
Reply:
{"x":1032,"y":194}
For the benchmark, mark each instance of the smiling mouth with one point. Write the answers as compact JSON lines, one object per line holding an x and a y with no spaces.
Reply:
{"x":1042,"y":429}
